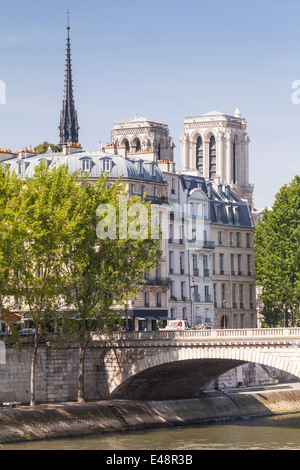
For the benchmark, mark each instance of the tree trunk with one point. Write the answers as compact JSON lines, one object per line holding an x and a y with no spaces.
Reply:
{"x":80,"y":397}
{"x":33,"y":364}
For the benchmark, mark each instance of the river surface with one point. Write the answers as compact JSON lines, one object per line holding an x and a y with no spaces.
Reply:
{"x":258,"y":433}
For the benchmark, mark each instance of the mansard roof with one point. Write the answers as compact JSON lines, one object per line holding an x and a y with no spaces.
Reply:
{"x":225,"y":207}
{"x":128,"y":168}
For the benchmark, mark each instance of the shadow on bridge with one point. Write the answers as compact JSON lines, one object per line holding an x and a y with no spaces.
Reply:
{"x":174,"y":380}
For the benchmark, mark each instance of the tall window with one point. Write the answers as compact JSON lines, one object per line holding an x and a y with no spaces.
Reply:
{"x":86,"y":164}
{"x":126,"y":143}
{"x":212,"y":157}
{"x":234,"y":162}
{"x":138,"y":145}
{"x":199,"y":155}
{"x":106,"y":164}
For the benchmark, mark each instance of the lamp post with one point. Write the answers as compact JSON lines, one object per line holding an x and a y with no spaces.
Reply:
{"x":192,"y":286}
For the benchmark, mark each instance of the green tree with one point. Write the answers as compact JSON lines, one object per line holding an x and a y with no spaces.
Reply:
{"x":277,"y":255}
{"x":103,"y":272}
{"x":42,"y":148}
{"x":10,"y":201}
{"x":41,"y":227}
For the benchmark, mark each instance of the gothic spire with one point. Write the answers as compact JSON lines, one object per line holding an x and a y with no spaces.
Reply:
{"x":68,"y":128}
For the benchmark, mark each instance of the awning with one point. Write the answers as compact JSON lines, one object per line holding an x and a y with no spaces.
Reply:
{"x":9,"y":316}
{"x":150,"y":318}
{"x":140,"y":318}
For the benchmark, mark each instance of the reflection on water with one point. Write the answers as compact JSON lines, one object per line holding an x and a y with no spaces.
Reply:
{"x":263,"y":433}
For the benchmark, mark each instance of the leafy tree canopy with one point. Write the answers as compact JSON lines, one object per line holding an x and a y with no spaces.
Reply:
{"x":277,"y":256}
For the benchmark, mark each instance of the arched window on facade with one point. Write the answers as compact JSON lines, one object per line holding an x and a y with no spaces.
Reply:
{"x":199,"y":155}
{"x":234,"y":161}
{"x":158,"y":152}
{"x":126,"y":143}
{"x":212,"y":157}
{"x":138,"y":145}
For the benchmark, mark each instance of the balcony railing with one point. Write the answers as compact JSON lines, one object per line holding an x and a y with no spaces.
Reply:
{"x":205,"y":244}
{"x":196,"y":297}
{"x":157,"y":281}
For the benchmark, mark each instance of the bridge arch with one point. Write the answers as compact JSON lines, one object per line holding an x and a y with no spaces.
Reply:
{"x":184,"y":372}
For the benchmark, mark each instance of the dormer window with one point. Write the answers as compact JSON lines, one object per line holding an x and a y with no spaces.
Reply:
{"x":153,"y":169}
{"x":86,"y":165}
{"x":106,"y":165}
{"x":140,"y":167}
{"x":237,"y":215}
{"x":20,"y":168}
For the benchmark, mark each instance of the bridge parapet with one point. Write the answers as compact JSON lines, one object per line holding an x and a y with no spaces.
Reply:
{"x":255,"y":333}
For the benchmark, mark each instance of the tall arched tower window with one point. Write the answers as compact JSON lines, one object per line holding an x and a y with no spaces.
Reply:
{"x":138,"y":145}
{"x":234,"y":161}
{"x":199,"y":155}
{"x":126,"y":143}
{"x":212,"y":157}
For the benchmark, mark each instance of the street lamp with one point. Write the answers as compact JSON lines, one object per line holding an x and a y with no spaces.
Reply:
{"x":192,"y":286}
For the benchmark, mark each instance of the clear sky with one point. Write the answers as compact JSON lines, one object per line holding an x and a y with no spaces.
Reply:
{"x":162,"y":59}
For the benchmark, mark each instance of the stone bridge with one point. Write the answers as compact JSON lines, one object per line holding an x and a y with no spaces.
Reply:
{"x":172,"y":364}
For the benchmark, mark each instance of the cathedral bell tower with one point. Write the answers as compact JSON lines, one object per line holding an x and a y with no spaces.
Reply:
{"x":216,"y":147}
{"x":68,"y":128}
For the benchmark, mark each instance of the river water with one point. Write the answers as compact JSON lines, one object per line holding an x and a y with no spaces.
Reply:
{"x":256,"y":433}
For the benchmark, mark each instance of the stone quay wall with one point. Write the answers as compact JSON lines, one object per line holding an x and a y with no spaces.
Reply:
{"x":57,"y":373}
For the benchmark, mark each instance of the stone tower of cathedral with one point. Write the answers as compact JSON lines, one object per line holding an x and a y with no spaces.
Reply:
{"x":68,"y":128}
{"x":216,"y":146}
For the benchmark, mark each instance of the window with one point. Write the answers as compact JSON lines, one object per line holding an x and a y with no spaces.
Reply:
{"x":234,"y":296}
{"x":234,"y":162}
{"x":241,"y":292}
{"x":153,"y":169}
{"x":220,"y":238}
{"x":205,"y":266}
{"x":126,"y":143}
{"x":141,"y":167}
{"x":223,"y":295}
{"x":240,"y":265}
{"x":20,"y":168}
{"x":234,"y":320}
{"x":158,"y":299}
{"x":181,"y":262}
{"x":231,"y":238}
{"x":221,"y":263}
{"x":171,"y":260}
{"x":238,"y":239}
{"x":173,"y":186}
{"x":207,"y":294}
{"x":248,"y":240}
{"x":86,"y":164}
{"x":215,"y":294}
{"x":106,"y":164}
{"x":138,"y":145}
{"x":249,"y":264}
{"x":182,"y":290}
{"x":232,"y":263}
{"x":212,"y":157}
{"x":199,"y":155}
{"x":250,"y":296}
{"x":146,"y":299}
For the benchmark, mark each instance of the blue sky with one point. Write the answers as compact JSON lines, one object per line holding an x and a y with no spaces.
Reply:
{"x":163,"y":59}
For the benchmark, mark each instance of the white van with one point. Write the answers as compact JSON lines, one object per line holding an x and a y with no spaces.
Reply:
{"x":176,"y":325}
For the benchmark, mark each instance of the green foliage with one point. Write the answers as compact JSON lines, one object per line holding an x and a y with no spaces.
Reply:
{"x":277,"y":256}
{"x":42,"y":148}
